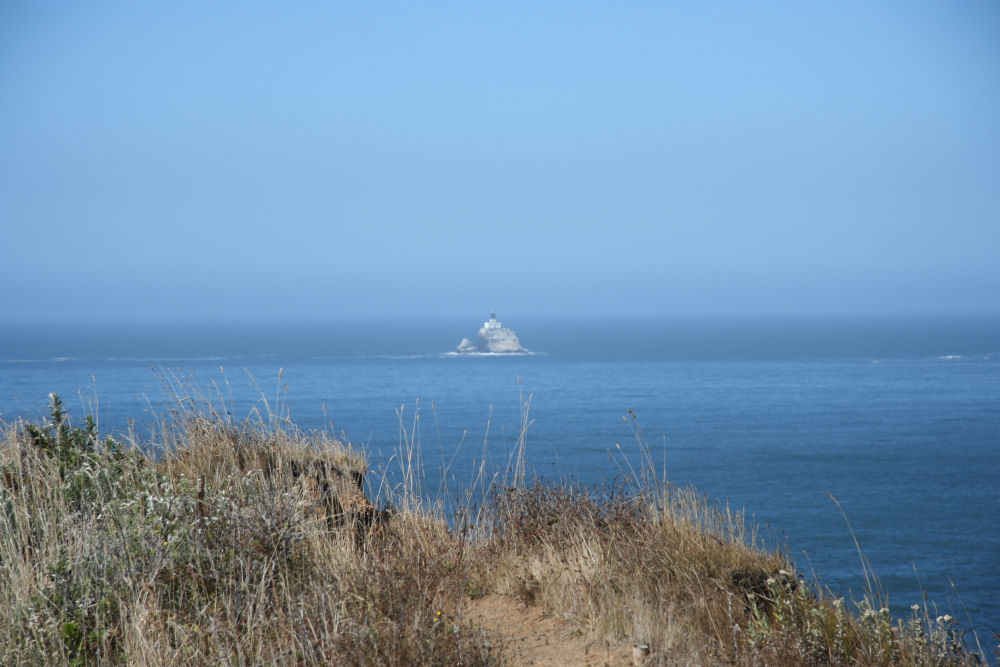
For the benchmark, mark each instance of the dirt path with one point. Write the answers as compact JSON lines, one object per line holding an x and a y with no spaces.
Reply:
{"x":531,"y":639}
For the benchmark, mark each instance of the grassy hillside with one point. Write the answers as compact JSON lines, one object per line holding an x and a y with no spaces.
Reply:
{"x":254,"y":543}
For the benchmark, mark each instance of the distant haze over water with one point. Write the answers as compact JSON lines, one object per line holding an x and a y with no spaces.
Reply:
{"x":896,"y":417}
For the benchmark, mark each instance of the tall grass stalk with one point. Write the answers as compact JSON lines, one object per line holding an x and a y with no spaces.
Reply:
{"x":247,"y":541}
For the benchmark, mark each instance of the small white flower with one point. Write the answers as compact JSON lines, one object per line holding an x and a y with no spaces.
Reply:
{"x":915,"y":607}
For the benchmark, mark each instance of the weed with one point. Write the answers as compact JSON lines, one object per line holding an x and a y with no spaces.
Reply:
{"x":253,"y":542}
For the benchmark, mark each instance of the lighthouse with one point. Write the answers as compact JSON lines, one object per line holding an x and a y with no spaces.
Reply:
{"x":493,"y":339}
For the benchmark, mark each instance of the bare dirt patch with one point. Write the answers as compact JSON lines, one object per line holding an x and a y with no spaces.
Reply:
{"x":530,"y":638}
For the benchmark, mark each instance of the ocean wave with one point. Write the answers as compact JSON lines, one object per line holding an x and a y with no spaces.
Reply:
{"x":443,"y":355}
{"x":49,"y":360}
{"x":171,"y":359}
{"x":491,"y":354}
{"x":159,"y":360}
{"x":349,"y":357}
{"x":400,"y":356}
{"x":948,"y":358}
{"x":966,"y":357}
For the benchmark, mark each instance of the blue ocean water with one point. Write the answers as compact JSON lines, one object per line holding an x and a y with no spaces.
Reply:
{"x":898,"y":418}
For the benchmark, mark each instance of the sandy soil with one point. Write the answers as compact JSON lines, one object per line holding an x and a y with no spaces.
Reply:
{"x":532,"y":639}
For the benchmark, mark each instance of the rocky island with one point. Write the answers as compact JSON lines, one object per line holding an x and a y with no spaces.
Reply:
{"x":493,"y":339}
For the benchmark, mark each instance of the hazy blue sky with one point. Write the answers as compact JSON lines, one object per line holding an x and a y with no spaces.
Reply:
{"x":330,"y":159}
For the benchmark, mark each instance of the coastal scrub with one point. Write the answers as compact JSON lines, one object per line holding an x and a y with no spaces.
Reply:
{"x":253,"y":542}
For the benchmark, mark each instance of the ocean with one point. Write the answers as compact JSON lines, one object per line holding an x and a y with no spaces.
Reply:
{"x":897,"y":418}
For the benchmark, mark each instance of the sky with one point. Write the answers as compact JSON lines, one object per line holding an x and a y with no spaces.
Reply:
{"x":380,"y":159}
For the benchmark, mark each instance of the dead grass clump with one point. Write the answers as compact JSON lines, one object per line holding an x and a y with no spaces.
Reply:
{"x":224,"y":551}
{"x":625,"y":566}
{"x":255,"y":543}
{"x":683,"y":576}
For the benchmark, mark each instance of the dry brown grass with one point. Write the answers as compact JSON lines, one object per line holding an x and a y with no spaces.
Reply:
{"x":224,"y":551}
{"x":253,"y":543}
{"x":666,"y":571}
{"x":676,"y":573}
